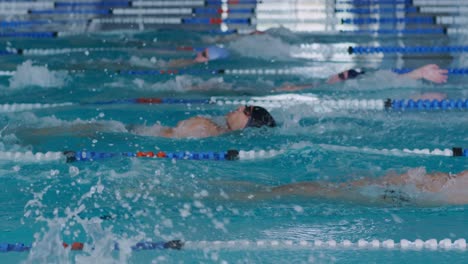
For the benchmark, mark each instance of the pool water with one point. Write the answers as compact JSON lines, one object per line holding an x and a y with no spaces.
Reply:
{"x":128,"y":200}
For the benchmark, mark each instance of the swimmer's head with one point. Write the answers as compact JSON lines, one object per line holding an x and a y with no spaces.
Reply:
{"x":249,"y":116}
{"x":211,"y":53}
{"x":346,"y":75}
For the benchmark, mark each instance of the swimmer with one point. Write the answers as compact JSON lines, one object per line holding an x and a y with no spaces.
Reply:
{"x":201,"y":127}
{"x":413,"y":187}
{"x":210,"y":53}
{"x":429,"y":72}
{"x":195,"y":127}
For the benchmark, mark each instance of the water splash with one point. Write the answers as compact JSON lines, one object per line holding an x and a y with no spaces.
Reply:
{"x":28,"y":74}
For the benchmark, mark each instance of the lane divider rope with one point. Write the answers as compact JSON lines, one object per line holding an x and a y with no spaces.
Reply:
{"x":278,"y":101}
{"x":230,"y":155}
{"x":390,"y":244}
{"x":309,"y":47}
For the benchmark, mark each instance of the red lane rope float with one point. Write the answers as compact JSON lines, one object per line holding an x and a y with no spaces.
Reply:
{"x":149,"y":100}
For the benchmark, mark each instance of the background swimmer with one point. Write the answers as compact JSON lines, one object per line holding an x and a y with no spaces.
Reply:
{"x":413,"y":187}
{"x":210,"y":53}
{"x":429,"y":72}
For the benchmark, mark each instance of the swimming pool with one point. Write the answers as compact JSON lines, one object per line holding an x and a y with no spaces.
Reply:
{"x":125,"y":200}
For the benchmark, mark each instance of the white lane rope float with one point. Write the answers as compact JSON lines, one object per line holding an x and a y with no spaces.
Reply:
{"x":18,"y":107}
{"x":403,"y":244}
{"x":453,"y":152}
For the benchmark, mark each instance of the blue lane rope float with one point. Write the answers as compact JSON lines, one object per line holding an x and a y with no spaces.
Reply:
{"x":94,"y":4}
{"x":368,"y":11}
{"x":451,"y":71}
{"x":372,"y":2}
{"x":426,"y":104}
{"x":407,"y":50}
{"x":73,"y":11}
{"x":390,"y":20}
{"x":72,"y":156}
{"x":230,"y":155}
{"x":28,"y":34}
{"x":33,"y":23}
{"x":78,"y":246}
{"x":416,"y":31}
{"x":165,"y":3}
{"x":233,"y":2}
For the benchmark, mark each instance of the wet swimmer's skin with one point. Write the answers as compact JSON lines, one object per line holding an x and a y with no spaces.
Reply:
{"x":210,"y":53}
{"x":429,"y":189}
{"x":429,"y":72}
{"x":202,"y":127}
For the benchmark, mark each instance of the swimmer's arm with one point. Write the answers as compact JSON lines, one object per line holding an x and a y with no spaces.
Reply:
{"x":86,"y":129}
{"x":179,"y":63}
{"x":303,"y":189}
{"x":162,"y":131}
{"x":288,"y":87}
{"x":430,"y":72}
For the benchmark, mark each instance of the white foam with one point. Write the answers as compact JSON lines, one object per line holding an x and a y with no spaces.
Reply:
{"x":145,"y":62}
{"x":29,"y":75}
{"x":262,"y":46}
{"x":182,"y":83}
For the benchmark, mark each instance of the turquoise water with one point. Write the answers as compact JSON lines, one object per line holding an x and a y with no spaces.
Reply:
{"x":47,"y":202}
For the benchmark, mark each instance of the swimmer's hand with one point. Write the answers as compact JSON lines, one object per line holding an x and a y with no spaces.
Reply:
{"x":430,"y":72}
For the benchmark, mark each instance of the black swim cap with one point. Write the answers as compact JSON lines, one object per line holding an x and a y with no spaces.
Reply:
{"x":354,"y":73}
{"x":258,"y":117}
{"x":351,"y":74}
